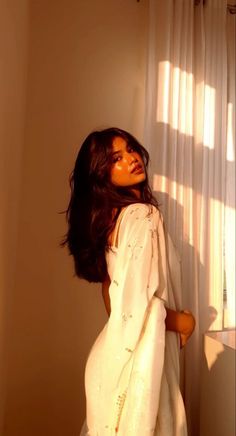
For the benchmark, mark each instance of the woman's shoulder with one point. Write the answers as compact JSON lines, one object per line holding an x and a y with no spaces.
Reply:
{"x":133,"y":214}
{"x":139,"y":212}
{"x":144,"y":210}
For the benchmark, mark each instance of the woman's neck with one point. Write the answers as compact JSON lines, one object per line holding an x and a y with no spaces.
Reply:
{"x":137,"y":192}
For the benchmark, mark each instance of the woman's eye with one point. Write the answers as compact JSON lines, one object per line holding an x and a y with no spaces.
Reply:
{"x":131,"y":150}
{"x":116,"y":159}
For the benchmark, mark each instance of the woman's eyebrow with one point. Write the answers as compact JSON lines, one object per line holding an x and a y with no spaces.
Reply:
{"x":115,"y":152}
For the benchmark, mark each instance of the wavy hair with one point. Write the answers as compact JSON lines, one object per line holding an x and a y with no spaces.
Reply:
{"x":90,"y":213}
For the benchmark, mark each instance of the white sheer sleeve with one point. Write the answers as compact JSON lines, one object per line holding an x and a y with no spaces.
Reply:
{"x":139,"y":270}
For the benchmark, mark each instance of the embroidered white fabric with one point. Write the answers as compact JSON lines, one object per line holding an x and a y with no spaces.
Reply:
{"x":132,"y":371}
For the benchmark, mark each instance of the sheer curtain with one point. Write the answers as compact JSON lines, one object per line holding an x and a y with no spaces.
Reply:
{"x":189,"y":131}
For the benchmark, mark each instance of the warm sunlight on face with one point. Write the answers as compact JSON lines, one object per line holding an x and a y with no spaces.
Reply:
{"x":127,"y":165}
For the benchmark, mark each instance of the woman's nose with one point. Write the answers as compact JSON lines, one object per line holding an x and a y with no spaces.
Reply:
{"x":131,"y":158}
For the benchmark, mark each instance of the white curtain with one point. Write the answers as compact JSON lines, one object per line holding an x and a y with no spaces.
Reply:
{"x":189,"y":131}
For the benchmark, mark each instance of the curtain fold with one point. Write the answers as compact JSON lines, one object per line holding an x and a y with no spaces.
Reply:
{"x":229,"y":195}
{"x":189,"y":131}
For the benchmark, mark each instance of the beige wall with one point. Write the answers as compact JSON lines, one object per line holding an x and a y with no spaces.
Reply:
{"x":86,"y":71}
{"x":13,"y":74}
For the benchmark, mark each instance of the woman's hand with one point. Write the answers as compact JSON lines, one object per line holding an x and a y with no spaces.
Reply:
{"x":188,"y":322}
{"x":180,"y":322}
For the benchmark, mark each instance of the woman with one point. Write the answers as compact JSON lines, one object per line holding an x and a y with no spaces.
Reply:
{"x":116,"y":236}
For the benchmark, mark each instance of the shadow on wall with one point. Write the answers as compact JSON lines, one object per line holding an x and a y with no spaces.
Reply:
{"x":217,"y":400}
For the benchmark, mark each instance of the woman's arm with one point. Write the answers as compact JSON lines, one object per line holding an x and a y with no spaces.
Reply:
{"x":179,"y":322}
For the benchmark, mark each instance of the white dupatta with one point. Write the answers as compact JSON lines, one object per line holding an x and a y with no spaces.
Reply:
{"x":139,"y":393}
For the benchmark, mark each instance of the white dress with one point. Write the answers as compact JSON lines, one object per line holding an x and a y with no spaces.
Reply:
{"x":132,"y":371}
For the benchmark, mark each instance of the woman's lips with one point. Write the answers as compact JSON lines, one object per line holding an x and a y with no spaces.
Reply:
{"x":137,"y":169}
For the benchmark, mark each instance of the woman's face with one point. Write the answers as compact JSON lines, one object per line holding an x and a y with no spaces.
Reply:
{"x":127,"y":168}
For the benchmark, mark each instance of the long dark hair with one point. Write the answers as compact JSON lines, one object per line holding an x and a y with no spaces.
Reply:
{"x":90,"y":213}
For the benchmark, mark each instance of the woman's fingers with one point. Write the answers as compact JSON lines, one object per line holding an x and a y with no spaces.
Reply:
{"x":189,"y":325}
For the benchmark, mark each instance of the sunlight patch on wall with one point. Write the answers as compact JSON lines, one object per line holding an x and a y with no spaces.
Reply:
{"x":175,"y":103}
{"x":164,"y":69}
{"x":209,"y":117}
{"x":175,"y":98}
